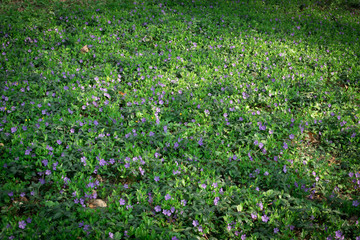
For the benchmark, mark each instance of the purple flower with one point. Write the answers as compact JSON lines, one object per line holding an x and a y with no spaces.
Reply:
{"x":203,"y":186}
{"x":156,"y":178}
{"x":167,"y":197}
{"x":284,"y":169}
{"x":265,"y":218}
{"x":165,"y":129}
{"x":13,"y":129}
{"x":200,"y":142}
{"x":166,"y":212}
{"x":158,"y":208}
{"x":45,"y":162}
{"x":355,"y":203}
{"x":254,"y":215}
{"x":22,"y":224}
{"x":195,"y":223}
{"x":122,"y":201}
{"x":102,"y":162}
{"x":111,"y":235}
{"x":291,"y":136}
{"x":59,"y":142}
{"x":69,"y":110}
{"x":338,"y":235}
{"x":276,"y":230}
{"x":216,"y":200}
{"x":285,"y":146}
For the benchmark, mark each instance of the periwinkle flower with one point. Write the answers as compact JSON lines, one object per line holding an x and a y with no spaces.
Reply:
{"x":157,"y":208}
{"x":167,"y":197}
{"x":216,"y":200}
{"x":22,"y":224}
{"x":45,"y":162}
{"x":338,"y":235}
{"x":200,"y":142}
{"x":13,"y":129}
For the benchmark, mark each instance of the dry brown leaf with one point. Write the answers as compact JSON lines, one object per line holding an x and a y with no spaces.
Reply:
{"x":122,"y":93}
{"x":84,"y":49}
{"x":98,"y":177}
{"x":312,"y":137}
{"x":353,"y":219}
{"x":1,"y":144}
{"x":24,"y":199}
{"x":97,"y":203}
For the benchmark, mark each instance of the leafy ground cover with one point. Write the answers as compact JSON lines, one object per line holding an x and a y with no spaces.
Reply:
{"x":180,"y":120}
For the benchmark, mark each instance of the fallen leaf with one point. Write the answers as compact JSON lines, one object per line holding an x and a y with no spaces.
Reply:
{"x":122,"y":93}
{"x":23,"y":199}
{"x":312,"y":137}
{"x":85,"y":49}
{"x":97,"y":203}
{"x":98,"y":177}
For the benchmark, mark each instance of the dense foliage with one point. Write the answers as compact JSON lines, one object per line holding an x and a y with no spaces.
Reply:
{"x":182,"y":119}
